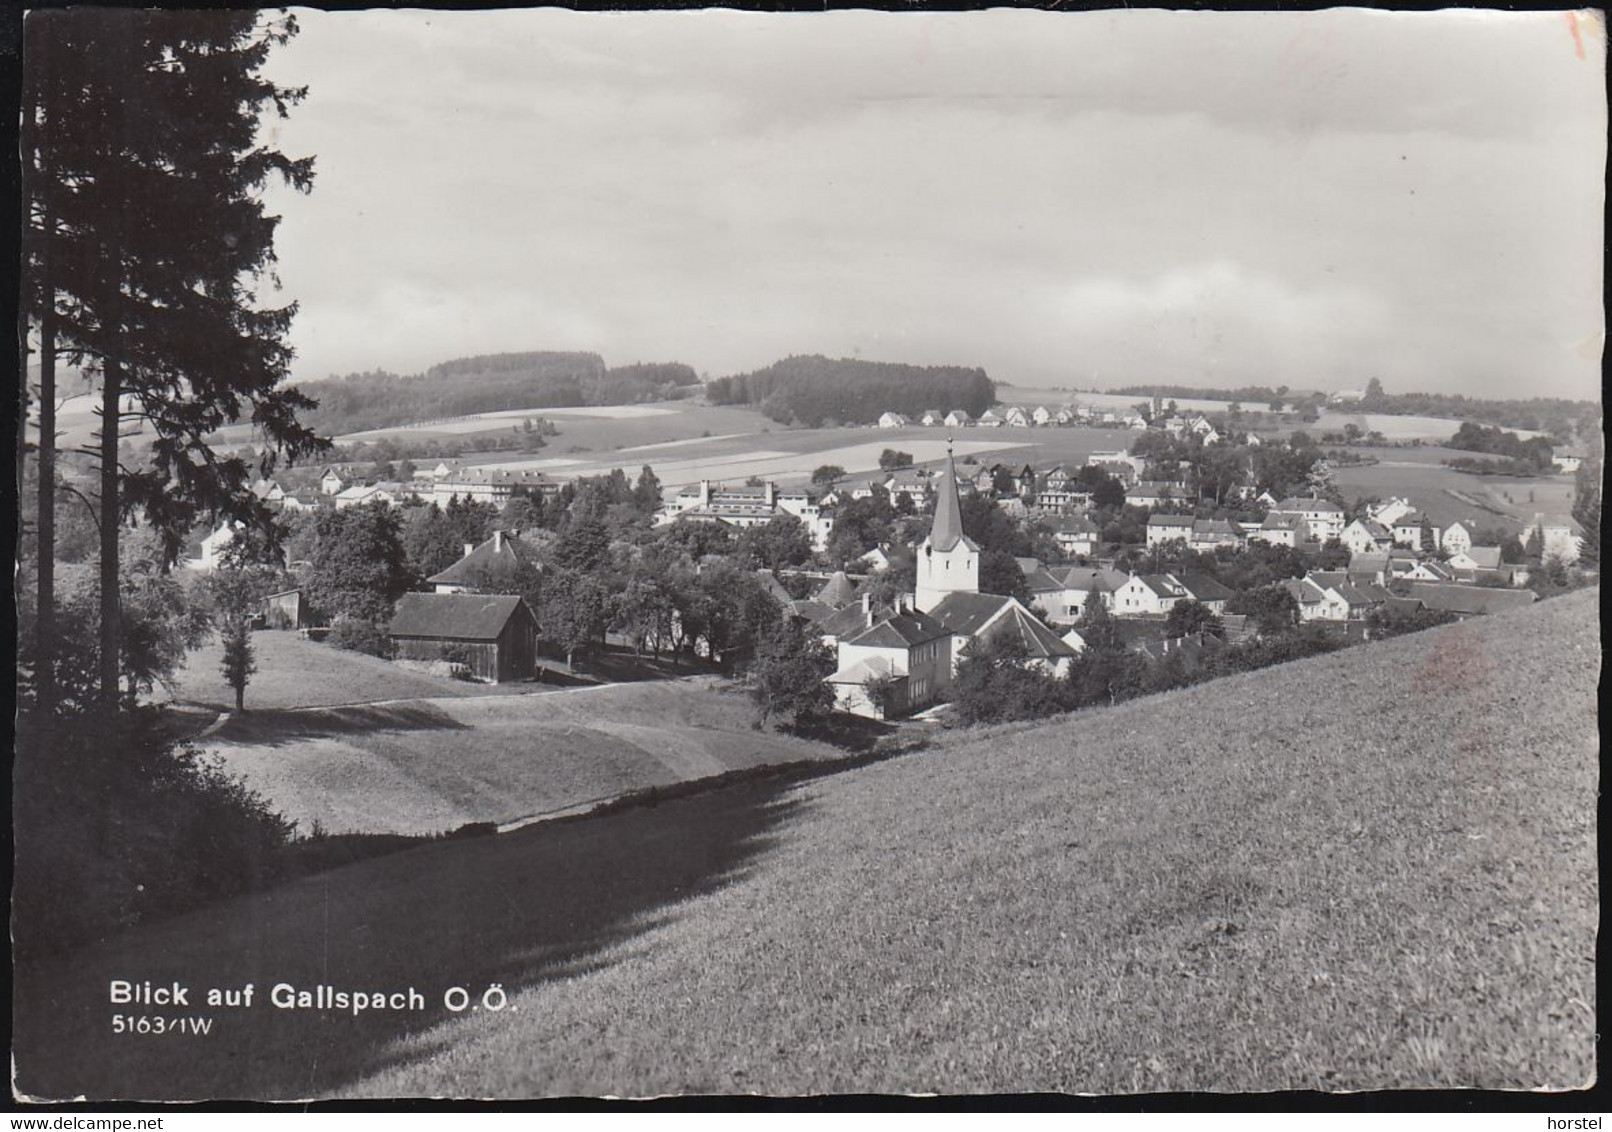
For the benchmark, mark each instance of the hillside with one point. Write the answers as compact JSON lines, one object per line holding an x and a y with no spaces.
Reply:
{"x":486,"y":383}
{"x":814,"y":390}
{"x":1365,"y":870}
{"x":433,"y":764}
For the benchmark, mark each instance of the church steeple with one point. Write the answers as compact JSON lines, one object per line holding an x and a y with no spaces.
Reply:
{"x":947,"y":531}
{"x":948,"y":562}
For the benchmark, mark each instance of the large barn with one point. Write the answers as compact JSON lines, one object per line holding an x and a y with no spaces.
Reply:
{"x":494,"y":635}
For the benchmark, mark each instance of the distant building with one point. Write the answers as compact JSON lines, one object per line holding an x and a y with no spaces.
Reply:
{"x":751,"y":506}
{"x":958,"y":418}
{"x":893,"y":420}
{"x":989,"y":419}
{"x":490,"y":485}
{"x":1162,"y":529}
{"x":1322,"y":517}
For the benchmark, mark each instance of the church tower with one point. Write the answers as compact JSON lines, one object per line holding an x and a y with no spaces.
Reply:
{"x":948,"y":562}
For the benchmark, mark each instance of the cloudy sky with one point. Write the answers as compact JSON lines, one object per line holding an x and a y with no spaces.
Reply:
{"x":1094,"y":199}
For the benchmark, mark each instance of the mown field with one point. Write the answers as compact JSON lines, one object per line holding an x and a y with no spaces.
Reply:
{"x":1368,"y":870}
{"x":431,"y":765}
{"x":297,"y":673}
{"x":1446,"y":495}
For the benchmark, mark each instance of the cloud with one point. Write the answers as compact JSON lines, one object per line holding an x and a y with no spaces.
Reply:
{"x":1144,"y":194}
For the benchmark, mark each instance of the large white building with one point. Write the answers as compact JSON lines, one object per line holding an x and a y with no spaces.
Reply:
{"x":747,"y":506}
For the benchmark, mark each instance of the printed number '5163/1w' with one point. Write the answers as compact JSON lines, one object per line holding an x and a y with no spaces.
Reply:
{"x":158,"y":1024}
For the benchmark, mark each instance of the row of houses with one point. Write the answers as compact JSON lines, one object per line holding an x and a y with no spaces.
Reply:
{"x":1014,"y":416}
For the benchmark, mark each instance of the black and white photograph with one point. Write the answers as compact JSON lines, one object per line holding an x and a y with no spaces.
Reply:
{"x":717,"y":553}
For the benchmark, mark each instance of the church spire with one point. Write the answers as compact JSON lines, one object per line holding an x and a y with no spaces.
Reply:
{"x":947,"y":531}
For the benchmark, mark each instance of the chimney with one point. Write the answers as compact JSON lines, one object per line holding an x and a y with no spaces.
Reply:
{"x":867,"y":609}
{"x":498,"y":542}
{"x":470,"y":548}
{"x":772,"y":494}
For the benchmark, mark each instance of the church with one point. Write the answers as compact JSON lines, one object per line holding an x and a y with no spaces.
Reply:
{"x":916,"y":647}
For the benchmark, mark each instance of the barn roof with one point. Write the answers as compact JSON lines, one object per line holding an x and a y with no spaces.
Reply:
{"x":1468,"y":599}
{"x":465,"y":617}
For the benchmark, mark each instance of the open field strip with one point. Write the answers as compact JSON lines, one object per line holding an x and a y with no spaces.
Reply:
{"x":780,"y":465}
{"x":491,"y":421}
{"x":1367,"y":870}
{"x":685,"y":442}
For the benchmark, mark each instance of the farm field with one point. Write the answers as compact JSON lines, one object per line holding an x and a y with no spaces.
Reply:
{"x":790,"y":455}
{"x":1447,"y":495}
{"x":1368,"y":870}
{"x":431,"y":765}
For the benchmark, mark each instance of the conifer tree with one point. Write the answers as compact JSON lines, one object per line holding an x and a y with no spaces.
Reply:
{"x":147,"y":239}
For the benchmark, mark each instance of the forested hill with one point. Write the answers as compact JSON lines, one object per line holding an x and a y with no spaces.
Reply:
{"x":488,"y":383}
{"x":815,"y":390}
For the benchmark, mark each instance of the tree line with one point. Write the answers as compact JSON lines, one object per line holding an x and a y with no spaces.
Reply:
{"x":487,"y":384}
{"x":817,"y":391}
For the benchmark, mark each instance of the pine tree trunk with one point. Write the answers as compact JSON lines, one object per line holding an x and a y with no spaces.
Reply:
{"x":45,"y":646}
{"x":111,"y":655}
{"x":240,"y":697}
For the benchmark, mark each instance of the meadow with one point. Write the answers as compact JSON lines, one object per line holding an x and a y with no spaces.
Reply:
{"x":1446,"y":495}
{"x":1366,"y":870}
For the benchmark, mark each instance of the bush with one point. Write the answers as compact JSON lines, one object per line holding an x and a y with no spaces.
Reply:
{"x":118,"y":823}
{"x":360,"y":636}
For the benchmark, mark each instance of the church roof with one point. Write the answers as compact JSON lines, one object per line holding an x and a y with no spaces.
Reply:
{"x":947,"y":530}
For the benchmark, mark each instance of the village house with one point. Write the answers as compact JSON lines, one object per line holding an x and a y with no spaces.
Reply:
{"x":1409,"y":528}
{"x":1163,"y":529}
{"x":1041,"y":415}
{"x":269,"y":491}
{"x":204,"y":555}
{"x":299,"y":501}
{"x":495,"y":563}
{"x":1560,"y":537}
{"x":1322,"y":517}
{"x":1366,"y":535}
{"x":958,"y":418}
{"x":493,"y":635}
{"x":932,"y":418}
{"x":1568,"y":461}
{"x":330,"y":481}
{"x":975,"y":619}
{"x":1283,"y":530}
{"x":1074,"y":535}
{"x":1429,"y":570}
{"x":893,"y":420}
{"x":1067,"y":415}
{"x":910,"y":482}
{"x":1390,"y":511}
{"x":1017,"y":417}
{"x":907,"y":647}
{"x":989,"y":419}
{"x":1456,"y":538}
{"x":1155,"y":493}
{"x":1382,"y":566}
{"x":1061,"y":592}
{"x":1212,"y":534}
{"x":1147,"y":595}
{"x":1315,"y":601}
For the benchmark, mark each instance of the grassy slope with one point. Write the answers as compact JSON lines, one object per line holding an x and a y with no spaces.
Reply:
{"x":1358,"y":871}
{"x":432,"y":765}
{"x":296,"y":673}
